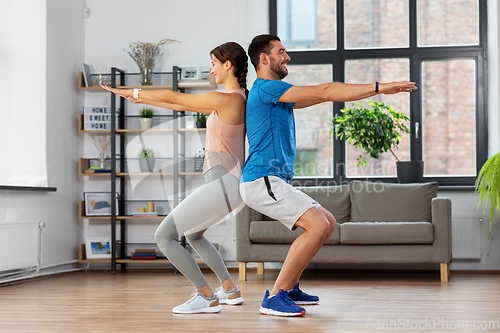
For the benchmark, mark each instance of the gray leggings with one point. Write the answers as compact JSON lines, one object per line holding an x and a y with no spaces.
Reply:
{"x":209,"y":204}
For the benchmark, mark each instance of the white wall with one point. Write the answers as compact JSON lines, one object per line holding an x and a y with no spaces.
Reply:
{"x":493,"y":77}
{"x":60,"y":101}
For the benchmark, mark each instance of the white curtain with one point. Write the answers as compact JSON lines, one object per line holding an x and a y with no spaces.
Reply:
{"x":23,"y":49}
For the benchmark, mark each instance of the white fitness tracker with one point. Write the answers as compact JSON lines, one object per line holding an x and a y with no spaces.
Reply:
{"x":136,"y":93}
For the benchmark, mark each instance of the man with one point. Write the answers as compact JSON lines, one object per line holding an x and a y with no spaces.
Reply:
{"x":264,"y":184}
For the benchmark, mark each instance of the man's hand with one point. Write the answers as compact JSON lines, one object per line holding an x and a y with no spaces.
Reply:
{"x":396,"y":87}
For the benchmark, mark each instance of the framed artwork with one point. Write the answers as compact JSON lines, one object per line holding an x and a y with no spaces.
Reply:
{"x":191,"y":72}
{"x":99,"y":203}
{"x":98,"y":247}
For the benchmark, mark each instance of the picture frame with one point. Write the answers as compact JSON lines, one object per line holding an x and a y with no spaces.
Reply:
{"x":99,"y":203}
{"x":98,"y":247}
{"x":191,"y":72}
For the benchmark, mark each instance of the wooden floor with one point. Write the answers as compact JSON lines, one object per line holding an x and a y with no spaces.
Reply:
{"x":97,"y":301}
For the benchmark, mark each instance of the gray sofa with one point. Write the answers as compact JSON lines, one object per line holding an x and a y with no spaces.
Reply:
{"x":376,"y":223}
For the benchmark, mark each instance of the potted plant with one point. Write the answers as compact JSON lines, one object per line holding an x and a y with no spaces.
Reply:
{"x":146,"y":120}
{"x":146,"y":159}
{"x":201,"y":120}
{"x":488,"y":186}
{"x":377,"y":130}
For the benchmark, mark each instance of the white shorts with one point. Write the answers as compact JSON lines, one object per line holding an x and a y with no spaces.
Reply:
{"x":277,"y":199}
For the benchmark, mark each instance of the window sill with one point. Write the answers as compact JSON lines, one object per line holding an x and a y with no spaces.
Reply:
{"x":458,"y":188}
{"x":27,"y":188}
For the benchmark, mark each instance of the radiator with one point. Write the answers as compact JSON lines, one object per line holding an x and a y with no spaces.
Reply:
{"x":20,"y":245}
{"x":466,"y":238}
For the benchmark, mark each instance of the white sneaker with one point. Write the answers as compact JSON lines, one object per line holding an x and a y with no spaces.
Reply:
{"x":199,"y":304}
{"x":232,"y":297}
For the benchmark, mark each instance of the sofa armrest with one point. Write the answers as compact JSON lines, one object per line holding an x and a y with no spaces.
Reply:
{"x":243,"y":241}
{"x":441,"y":220}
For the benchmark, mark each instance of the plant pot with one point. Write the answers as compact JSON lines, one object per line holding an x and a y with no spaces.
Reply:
{"x":146,"y":123}
{"x":147,"y":164}
{"x":410,"y":171}
{"x":201,"y":124}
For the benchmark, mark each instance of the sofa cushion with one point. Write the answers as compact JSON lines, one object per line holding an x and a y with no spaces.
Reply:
{"x":385,"y":202}
{"x":334,"y":199}
{"x":274,"y":232}
{"x":383,"y":233}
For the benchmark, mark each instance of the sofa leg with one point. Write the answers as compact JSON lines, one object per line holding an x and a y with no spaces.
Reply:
{"x":260,"y":268}
{"x":445,"y":272}
{"x":243,"y":271}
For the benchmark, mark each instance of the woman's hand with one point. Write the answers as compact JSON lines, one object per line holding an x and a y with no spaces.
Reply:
{"x":396,"y":87}
{"x":127,"y":93}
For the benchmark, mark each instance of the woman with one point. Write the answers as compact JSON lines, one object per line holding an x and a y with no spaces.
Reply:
{"x":219,"y":195}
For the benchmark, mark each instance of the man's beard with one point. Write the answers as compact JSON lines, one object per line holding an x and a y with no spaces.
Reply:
{"x":276,"y":68}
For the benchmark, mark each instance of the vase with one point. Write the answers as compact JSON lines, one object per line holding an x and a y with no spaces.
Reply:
{"x":146,"y":76}
{"x":147,"y":164}
{"x":201,"y":124}
{"x":101,"y":161}
{"x":410,"y":171}
{"x":146,"y":123}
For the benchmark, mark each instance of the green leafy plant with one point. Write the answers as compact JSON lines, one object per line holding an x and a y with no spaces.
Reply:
{"x":488,"y":186}
{"x":147,"y":113}
{"x":375,"y":129}
{"x":200,"y":117}
{"x":146,"y":153}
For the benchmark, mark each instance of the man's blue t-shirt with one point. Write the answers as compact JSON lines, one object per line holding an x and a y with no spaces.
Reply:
{"x":271,"y":132}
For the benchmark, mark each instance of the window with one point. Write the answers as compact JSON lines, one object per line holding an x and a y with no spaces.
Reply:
{"x":366,"y":24}
{"x":440,"y":45}
{"x":307,"y":23}
{"x":314,"y":155}
{"x":448,"y":117}
{"x":23,"y":127}
{"x":448,"y":22}
{"x":385,"y":70}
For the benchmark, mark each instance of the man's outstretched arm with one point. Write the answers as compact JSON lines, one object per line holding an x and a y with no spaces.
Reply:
{"x":341,"y":92}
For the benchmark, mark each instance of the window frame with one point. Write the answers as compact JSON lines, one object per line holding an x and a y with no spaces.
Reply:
{"x":416,"y":55}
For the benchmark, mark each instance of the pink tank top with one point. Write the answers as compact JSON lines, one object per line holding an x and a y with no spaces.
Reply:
{"x":225,"y":144}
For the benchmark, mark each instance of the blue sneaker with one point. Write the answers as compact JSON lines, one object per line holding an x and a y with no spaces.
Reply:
{"x":280,"y":305}
{"x":300,"y":297}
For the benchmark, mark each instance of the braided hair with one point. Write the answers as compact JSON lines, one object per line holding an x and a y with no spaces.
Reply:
{"x":237,"y":56}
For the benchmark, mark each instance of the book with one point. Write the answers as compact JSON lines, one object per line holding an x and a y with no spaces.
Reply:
{"x":92,"y":170}
{"x":87,"y":76}
{"x":145,"y":213}
{"x":145,"y":251}
{"x":144,"y":254}
{"x":143,"y":258}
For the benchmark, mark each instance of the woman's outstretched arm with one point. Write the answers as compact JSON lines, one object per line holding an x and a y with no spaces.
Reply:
{"x":169,"y":106}
{"x":193,"y":102}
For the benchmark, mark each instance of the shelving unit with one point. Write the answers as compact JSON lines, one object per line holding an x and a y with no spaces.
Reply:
{"x":210,"y":83}
{"x":83,"y":259}
{"x":119,"y":173}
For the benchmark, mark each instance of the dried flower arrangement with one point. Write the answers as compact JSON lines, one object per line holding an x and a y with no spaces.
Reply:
{"x":146,"y":55}
{"x":102,"y":143}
